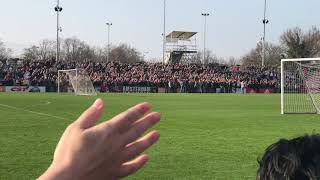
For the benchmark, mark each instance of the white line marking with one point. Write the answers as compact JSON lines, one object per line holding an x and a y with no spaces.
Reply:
{"x":47,"y":102}
{"x":42,"y":103}
{"x":33,"y":112}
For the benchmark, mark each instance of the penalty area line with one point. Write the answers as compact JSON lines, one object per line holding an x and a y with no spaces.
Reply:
{"x":32,"y":112}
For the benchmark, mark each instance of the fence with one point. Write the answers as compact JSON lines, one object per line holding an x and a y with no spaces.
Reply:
{"x":148,"y":89}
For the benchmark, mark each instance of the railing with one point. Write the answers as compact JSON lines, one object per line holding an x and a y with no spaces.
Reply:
{"x":171,"y":48}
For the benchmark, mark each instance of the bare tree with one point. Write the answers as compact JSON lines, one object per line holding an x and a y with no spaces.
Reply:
{"x":5,"y":53}
{"x":293,"y":41}
{"x":73,"y":49}
{"x":44,"y":51}
{"x":2,"y":50}
{"x":47,"y":49}
{"x":100,"y":54}
{"x":312,"y":40}
{"x":31,"y":53}
{"x":211,"y":58}
{"x":232,"y":61}
{"x":254,"y":57}
{"x":299,"y":44}
{"x":273,"y":55}
{"x":125,"y":54}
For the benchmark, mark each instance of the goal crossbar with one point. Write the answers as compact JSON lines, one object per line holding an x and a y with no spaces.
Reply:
{"x":302,"y":59}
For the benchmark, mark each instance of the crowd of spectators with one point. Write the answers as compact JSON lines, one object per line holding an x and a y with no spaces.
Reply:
{"x":171,"y":77}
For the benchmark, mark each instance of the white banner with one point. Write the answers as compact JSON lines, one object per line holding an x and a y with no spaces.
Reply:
{"x":25,"y":89}
{"x":128,"y":89}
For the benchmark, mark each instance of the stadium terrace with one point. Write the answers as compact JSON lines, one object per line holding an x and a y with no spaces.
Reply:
{"x":145,"y":77}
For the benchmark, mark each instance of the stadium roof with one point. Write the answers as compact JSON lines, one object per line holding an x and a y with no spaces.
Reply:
{"x":180,"y":35}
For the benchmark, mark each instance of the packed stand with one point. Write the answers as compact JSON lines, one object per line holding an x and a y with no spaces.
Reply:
{"x":172,"y":78}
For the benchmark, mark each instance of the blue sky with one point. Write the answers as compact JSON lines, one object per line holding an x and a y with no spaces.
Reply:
{"x":234,"y":26}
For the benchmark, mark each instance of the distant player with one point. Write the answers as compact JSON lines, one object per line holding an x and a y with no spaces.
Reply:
{"x":242,"y":84}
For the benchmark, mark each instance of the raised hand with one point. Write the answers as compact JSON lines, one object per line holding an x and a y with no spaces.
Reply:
{"x":111,"y":150}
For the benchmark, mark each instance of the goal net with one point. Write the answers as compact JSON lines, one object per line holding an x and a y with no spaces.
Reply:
{"x":300,"y":86}
{"x":75,"y":80}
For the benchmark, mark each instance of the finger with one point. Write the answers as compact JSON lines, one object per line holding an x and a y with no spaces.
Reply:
{"x":123,"y":121}
{"x":133,"y":166}
{"x":140,"y":127}
{"x":135,"y":149}
{"x":91,"y":115}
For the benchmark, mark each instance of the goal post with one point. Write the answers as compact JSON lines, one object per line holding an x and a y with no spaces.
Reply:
{"x":77,"y":80}
{"x":300,"y":86}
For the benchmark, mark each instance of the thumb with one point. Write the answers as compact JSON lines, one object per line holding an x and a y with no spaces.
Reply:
{"x":89,"y":117}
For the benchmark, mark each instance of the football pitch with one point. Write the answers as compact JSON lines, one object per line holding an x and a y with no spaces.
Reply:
{"x":203,"y":136}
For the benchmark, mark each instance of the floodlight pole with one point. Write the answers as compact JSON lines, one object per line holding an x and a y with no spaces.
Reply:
{"x":109,"y":26}
{"x":164,"y":31}
{"x":265,"y":22}
{"x":58,"y":10}
{"x":204,"y":37}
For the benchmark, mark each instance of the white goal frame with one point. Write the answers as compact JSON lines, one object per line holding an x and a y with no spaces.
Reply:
{"x":283,"y":81}
{"x":76,"y":84}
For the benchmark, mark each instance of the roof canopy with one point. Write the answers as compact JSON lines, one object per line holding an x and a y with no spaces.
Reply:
{"x":175,"y":36}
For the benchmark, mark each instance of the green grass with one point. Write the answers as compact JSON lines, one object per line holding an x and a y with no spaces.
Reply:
{"x":203,"y":136}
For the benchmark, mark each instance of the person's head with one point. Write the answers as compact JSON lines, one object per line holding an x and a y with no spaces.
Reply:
{"x":295,"y":159}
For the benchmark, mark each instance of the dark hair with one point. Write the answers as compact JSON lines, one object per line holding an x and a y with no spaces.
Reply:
{"x":295,"y":159}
